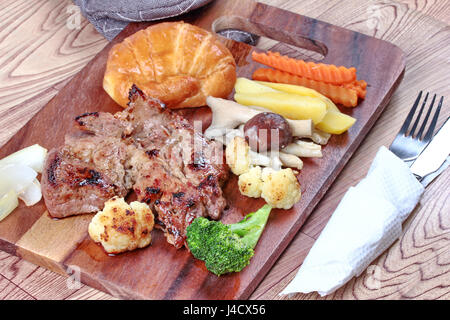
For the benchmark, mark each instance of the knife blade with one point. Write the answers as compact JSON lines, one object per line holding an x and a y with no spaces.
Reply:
{"x":433,"y":158}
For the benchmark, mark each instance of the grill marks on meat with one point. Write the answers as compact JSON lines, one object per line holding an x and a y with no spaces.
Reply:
{"x":72,"y":186}
{"x":175,"y":200}
{"x":167,"y":166}
{"x":82,"y":174}
{"x":147,"y":148}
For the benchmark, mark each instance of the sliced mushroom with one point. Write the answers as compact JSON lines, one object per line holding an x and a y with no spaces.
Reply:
{"x":291,"y":161}
{"x":320,"y":137}
{"x":305,"y":149}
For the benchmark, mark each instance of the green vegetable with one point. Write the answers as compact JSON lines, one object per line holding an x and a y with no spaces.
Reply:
{"x":226,"y":247}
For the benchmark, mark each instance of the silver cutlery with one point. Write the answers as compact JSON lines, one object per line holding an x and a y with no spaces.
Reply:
{"x":430,"y":162}
{"x":408,"y":144}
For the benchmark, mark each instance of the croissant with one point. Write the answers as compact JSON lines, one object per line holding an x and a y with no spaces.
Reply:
{"x":175,"y":62}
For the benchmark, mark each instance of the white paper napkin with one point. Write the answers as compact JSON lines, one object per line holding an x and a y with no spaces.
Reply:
{"x":366,"y":222}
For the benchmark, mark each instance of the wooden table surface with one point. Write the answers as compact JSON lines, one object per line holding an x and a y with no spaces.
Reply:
{"x":41,"y":49}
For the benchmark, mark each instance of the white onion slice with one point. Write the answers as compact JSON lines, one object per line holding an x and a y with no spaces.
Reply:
{"x":32,"y":156}
{"x":8,"y":203}
{"x":15,"y":176}
{"x":32,"y":194}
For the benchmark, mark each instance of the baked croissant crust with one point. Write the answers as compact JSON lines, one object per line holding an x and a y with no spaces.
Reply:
{"x":175,"y":62}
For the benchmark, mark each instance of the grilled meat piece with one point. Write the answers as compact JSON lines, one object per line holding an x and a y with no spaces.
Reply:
{"x":147,"y":148}
{"x":175,"y":202}
{"x":179,"y":173}
{"x":103,"y":124}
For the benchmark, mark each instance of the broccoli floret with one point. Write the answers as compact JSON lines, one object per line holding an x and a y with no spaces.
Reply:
{"x":226,"y":247}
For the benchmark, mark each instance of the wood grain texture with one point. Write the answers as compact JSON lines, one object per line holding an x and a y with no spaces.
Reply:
{"x":438,"y":9}
{"x":37,"y":51}
{"x":20,"y":279}
{"x":428,"y":65}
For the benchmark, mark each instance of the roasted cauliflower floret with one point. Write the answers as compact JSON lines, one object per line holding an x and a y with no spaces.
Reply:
{"x":237,"y":155}
{"x":121,"y":227}
{"x":280,"y":188}
{"x":250,"y":183}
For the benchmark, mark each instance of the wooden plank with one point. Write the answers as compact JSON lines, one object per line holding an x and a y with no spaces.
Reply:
{"x":42,"y":244}
{"x":9,"y":291}
{"x":437,"y":9}
{"x":37,"y":51}
{"x":24,"y":280}
{"x":394,"y":114}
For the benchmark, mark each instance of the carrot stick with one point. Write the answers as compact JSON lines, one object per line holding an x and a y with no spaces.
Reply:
{"x":338,"y":94}
{"x":359,"y":86}
{"x":328,"y":73}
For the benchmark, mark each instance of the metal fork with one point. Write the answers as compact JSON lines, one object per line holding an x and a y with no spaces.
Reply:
{"x":408,"y":145}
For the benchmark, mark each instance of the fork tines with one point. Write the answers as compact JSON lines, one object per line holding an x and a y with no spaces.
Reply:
{"x":420,"y":135}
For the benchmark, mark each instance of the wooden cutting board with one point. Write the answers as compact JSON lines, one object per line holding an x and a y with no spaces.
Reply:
{"x":160,"y":271}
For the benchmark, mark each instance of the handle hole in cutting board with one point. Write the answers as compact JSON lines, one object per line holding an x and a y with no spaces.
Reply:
{"x":295,"y":47}
{"x":268,"y":44}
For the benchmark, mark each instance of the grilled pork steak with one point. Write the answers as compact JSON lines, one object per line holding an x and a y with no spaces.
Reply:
{"x":147,"y":148}
{"x":81,"y":175}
